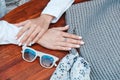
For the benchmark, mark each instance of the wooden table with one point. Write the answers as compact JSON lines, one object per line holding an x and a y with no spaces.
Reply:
{"x":12,"y":66}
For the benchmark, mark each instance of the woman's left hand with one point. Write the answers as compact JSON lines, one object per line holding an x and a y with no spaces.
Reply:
{"x":57,"y":39}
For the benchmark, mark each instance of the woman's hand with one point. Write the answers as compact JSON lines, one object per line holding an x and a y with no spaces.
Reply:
{"x":56,"y":39}
{"x":34,"y":29}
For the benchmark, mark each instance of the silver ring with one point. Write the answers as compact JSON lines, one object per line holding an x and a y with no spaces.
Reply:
{"x":65,"y":39}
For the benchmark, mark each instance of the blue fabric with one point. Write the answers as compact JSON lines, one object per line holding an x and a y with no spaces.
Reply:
{"x":2,"y":8}
{"x":8,"y":5}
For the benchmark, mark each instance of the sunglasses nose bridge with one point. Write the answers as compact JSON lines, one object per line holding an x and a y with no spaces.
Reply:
{"x":39,"y":54}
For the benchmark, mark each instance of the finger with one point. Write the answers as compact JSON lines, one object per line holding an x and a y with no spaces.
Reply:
{"x":62,"y":28}
{"x":21,"y":32}
{"x":73,"y":41}
{"x":68,"y":35}
{"x":26,"y":36}
{"x":32,"y":36}
{"x":21,"y":23}
{"x":62,"y":48}
{"x":66,"y":44}
{"x":38,"y":36}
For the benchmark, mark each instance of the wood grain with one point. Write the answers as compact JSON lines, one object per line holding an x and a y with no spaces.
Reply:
{"x":12,"y":66}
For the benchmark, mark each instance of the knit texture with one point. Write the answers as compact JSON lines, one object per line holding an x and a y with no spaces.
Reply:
{"x":98,"y":22}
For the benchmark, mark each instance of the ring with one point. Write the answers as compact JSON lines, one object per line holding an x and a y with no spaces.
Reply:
{"x":65,"y":39}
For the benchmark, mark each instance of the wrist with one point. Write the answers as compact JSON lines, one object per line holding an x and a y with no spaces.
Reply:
{"x":39,"y":42}
{"x":47,"y":18}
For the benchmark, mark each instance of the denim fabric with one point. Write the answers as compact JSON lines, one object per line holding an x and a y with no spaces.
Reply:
{"x":8,"y":5}
{"x":2,"y":8}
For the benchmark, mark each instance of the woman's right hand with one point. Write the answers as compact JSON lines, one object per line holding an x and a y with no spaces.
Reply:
{"x":57,"y":39}
{"x":34,"y":29}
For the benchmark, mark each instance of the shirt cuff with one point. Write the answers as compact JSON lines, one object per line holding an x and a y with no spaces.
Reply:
{"x":57,"y":8}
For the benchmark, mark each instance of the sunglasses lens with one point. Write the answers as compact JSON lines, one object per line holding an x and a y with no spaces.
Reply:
{"x":29,"y":55}
{"x":47,"y":61}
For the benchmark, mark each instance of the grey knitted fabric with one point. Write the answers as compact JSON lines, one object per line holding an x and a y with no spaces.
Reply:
{"x":98,"y":22}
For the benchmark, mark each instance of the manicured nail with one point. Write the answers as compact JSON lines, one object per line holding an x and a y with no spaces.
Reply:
{"x":30,"y":44}
{"x":67,"y":26}
{"x":69,"y":48}
{"x":82,"y":42}
{"x":77,"y":46}
{"x":80,"y":37}
{"x":20,"y":44}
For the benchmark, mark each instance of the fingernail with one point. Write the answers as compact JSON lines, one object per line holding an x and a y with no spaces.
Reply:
{"x":77,"y":46}
{"x":69,"y":48}
{"x":30,"y":44}
{"x":82,"y":42}
{"x":67,"y":26}
{"x":80,"y":37}
{"x":20,"y":44}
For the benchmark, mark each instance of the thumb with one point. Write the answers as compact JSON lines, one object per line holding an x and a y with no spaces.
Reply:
{"x":62,"y":28}
{"x":21,"y":23}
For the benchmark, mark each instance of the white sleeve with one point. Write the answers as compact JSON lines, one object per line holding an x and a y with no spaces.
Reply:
{"x":8,"y":33}
{"x":56,"y":8}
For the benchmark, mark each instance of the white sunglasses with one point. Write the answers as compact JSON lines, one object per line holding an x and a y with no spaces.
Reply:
{"x":46,"y":60}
